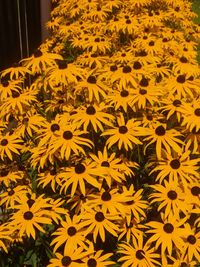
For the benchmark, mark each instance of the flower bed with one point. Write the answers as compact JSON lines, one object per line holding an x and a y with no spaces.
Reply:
{"x":99,"y":143}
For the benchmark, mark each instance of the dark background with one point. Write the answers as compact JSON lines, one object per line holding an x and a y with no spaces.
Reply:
{"x":9,"y":30}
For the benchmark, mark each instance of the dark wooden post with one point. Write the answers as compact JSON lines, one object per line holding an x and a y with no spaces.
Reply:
{"x":45,"y":9}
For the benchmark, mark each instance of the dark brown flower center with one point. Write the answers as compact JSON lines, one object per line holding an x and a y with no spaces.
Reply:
{"x":4,"y":142}
{"x":168,"y":228}
{"x":165,"y":40}
{"x":62,"y":64}
{"x":28,"y":215}
{"x":197,"y":112}
{"x":11,"y":192}
{"x":177,"y":9}
{"x":195,"y":190}
{"x":79,"y":168}
{"x":172,"y":195}
{"x":183,"y":60}
{"x":149,"y":117}
{"x":37,"y":53}
{"x":61,"y":101}
{"x":67,"y":135}
{"x":15,"y":94}
{"x":128,"y":21}
{"x":66,"y":261}
{"x":113,"y":68}
{"x":123,"y":129}
{"x":126,"y":69}
{"x":99,"y":217}
{"x":177,"y":103}
{"x":71,"y":231}
{"x":91,"y":263}
{"x":4,"y":173}
{"x":91,"y":79}
{"x":143,"y":91}
{"x":97,"y":40}
{"x":137,"y":65}
{"x":53,"y":172}
{"x":181,"y":79}
{"x":175,"y":164}
{"x":144,"y":82}
{"x":55,"y":127}
{"x":105,"y":164}
{"x":151,"y":43}
{"x":160,"y":130}
{"x":140,"y":254}
{"x":30,"y":202}
{"x":5,"y":83}
{"x":191,"y":239}
{"x":124,"y":93}
{"x":106,"y":196}
{"x":90,"y":110}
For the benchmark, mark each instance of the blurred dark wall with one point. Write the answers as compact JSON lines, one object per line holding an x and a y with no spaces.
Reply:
{"x":9,"y":29}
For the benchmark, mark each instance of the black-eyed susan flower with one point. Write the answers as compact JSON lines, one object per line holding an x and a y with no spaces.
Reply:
{"x":113,"y":167}
{"x":191,"y":115}
{"x":9,"y":145}
{"x":71,"y":258}
{"x":191,"y":247}
{"x":12,"y":196}
{"x":40,"y":61}
{"x":93,"y":87}
{"x":125,"y":134}
{"x":167,"y":234}
{"x":69,"y":140}
{"x":27,"y":220}
{"x":180,"y":168}
{"x":170,"y":198}
{"x":70,"y":233}
{"x":98,"y":222}
{"x":163,"y":138}
{"x":78,"y":175}
{"x":138,"y":254}
{"x":93,"y":115}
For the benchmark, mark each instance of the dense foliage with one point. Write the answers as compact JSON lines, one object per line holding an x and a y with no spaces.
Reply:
{"x":100,"y":139}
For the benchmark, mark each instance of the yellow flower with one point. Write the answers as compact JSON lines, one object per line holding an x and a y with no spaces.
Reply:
{"x":112,"y":167}
{"x":98,"y":258}
{"x":163,"y":137}
{"x":93,"y":87}
{"x":125,"y":134}
{"x":137,"y":254}
{"x":191,"y":115}
{"x":79,"y":175}
{"x":27,"y":219}
{"x":191,"y":247}
{"x":92,"y":115}
{"x":70,"y":233}
{"x":98,"y":222}
{"x":40,"y":61}
{"x":179,"y":169}
{"x":9,"y":145}
{"x":64,"y":73}
{"x":68,"y":140}
{"x":110,"y":201}
{"x":71,"y":258}
{"x":170,"y":198}
{"x":15,"y":72}
{"x":5,"y":232}
{"x":8,"y":87}
{"x":12,"y":196}
{"x":167,"y":234}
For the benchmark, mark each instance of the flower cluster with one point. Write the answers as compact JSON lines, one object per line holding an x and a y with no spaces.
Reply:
{"x":100,"y":137}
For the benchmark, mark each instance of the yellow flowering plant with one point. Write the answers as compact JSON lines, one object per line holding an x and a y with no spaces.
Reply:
{"x":100,"y":139}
